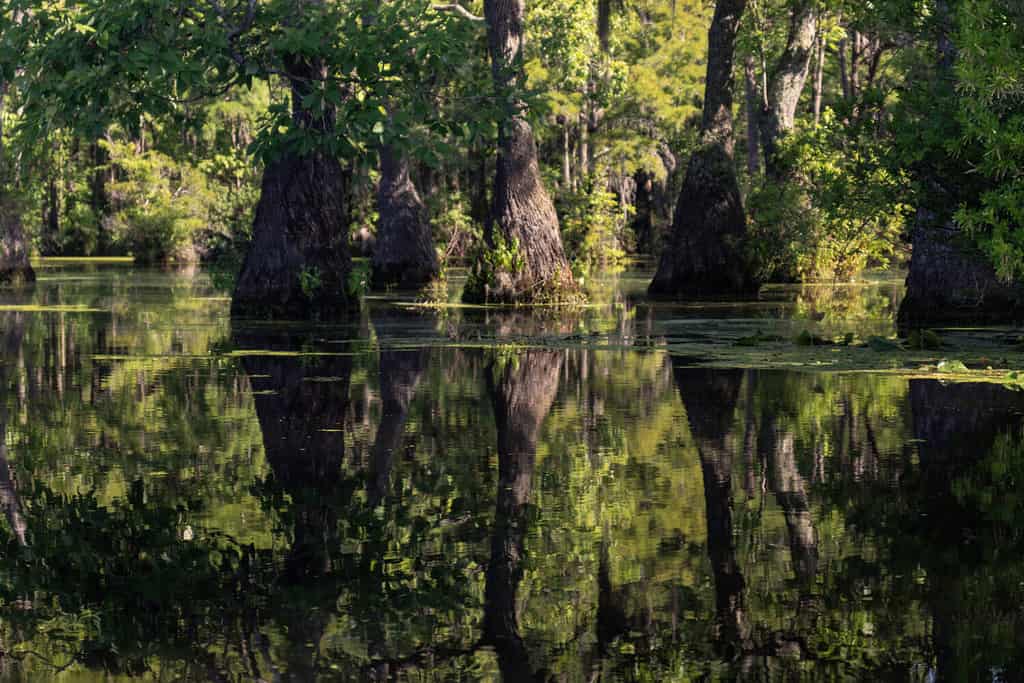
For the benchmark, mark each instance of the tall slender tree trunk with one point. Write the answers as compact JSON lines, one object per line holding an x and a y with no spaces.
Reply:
{"x":706,"y":253}
{"x":404,"y":254}
{"x":752,"y":95}
{"x":819,"y":77}
{"x":786,"y":85}
{"x":52,"y":224}
{"x":523,"y":219}
{"x":298,"y":264}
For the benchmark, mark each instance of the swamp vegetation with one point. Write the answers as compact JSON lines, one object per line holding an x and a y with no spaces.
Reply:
{"x":522,"y":340}
{"x":633,"y":491}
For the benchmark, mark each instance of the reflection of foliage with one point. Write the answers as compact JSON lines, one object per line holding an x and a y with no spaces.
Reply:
{"x":117,"y":574}
{"x":198,"y":572}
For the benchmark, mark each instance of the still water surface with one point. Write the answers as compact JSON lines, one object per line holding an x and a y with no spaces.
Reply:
{"x":435,"y":494}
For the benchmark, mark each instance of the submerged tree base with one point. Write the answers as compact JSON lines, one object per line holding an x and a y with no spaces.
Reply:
{"x":706,"y":258}
{"x":404,"y":255}
{"x":952,"y":282}
{"x":15,"y":267}
{"x":298,"y":265}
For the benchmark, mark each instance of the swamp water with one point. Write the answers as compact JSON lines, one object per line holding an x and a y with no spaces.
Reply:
{"x":624,"y":492}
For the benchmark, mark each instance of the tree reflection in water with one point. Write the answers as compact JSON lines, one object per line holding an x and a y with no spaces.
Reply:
{"x":436,"y":498}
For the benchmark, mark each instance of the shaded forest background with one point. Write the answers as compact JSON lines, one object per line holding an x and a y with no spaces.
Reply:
{"x":146,"y":128}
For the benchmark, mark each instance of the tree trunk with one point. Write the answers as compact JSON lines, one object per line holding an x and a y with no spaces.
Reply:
{"x":950,"y":280}
{"x":787,"y":83}
{"x":706,"y":254}
{"x":604,"y":23}
{"x":52,"y":225}
{"x":522,"y":395}
{"x":819,"y":75}
{"x":404,"y":254}
{"x":753,"y":111}
{"x":298,"y":264}
{"x":844,"y":79}
{"x":523,"y":219}
{"x":14,"y":264}
{"x":99,"y":201}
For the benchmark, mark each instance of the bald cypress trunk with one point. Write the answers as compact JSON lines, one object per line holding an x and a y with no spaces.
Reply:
{"x":523,"y":222}
{"x":298,"y":264}
{"x":14,"y":263}
{"x":705,"y":255}
{"x":786,"y":85}
{"x":950,"y":279}
{"x":404,"y":254}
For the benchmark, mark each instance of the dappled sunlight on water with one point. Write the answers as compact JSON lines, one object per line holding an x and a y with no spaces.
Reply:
{"x":427,"y":492}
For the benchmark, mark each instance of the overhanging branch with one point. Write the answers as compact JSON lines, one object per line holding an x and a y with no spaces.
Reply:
{"x":456,"y":8}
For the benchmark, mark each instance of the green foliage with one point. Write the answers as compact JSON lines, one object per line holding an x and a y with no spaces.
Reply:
{"x":311,"y":282}
{"x":159,"y":205}
{"x":594,"y":229}
{"x":358,"y":282}
{"x":841,"y":212}
{"x":990,"y":99}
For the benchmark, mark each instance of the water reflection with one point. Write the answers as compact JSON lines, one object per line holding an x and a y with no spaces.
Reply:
{"x":438,"y":496}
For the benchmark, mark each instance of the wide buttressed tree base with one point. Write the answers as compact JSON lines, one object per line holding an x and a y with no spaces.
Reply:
{"x":705,"y":256}
{"x":15,"y":267}
{"x":526,"y":260}
{"x":298,"y":265}
{"x":951,"y":281}
{"x":404,"y":255}
{"x":706,"y":253}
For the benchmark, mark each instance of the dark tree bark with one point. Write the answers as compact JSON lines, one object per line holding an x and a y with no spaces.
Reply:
{"x":523,"y":216}
{"x":522,"y":395}
{"x":404,"y":255}
{"x":298,"y":264}
{"x":52,"y":216}
{"x":706,"y":256}
{"x":14,"y":264}
{"x":99,"y":201}
{"x":710,"y":398}
{"x":950,"y":279}
{"x":604,"y":23}
{"x":787,"y":83}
